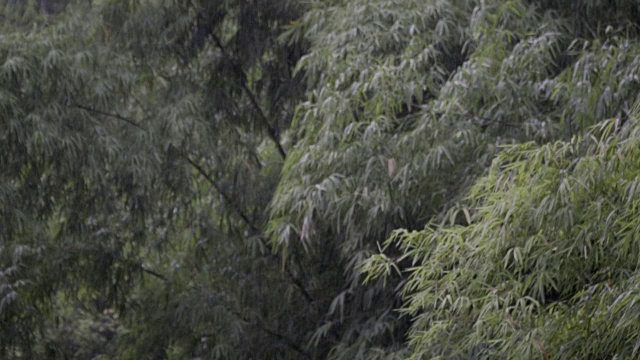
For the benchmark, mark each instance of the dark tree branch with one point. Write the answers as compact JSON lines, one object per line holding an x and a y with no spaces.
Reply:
{"x":270,"y":130}
{"x":224,"y":195}
{"x":219,"y":189}
{"x":468,"y":116}
{"x":287,"y":340}
{"x":486,"y":120}
{"x":297,"y":282}
{"x":273,"y":134}
{"x":112,"y":115}
{"x":505,"y":123}
{"x":154,"y":273}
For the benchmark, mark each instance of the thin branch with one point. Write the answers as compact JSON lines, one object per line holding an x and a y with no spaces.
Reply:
{"x":486,"y":120}
{"x":477,"y":118}
{"x":297,"y":282}
{"x":219,"y":189}
{"x":270,"y":130}
{"x":505,"y":123}
{"x":273,"y":135}
{"x":103,"y":113}
{"x":287,"y":340}
{"x":154,"y":273}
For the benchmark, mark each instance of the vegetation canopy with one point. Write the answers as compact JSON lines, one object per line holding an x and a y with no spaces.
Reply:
{"x":272,"y":179}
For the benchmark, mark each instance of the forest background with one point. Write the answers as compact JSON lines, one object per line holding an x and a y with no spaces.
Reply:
{"x":321,"y":179}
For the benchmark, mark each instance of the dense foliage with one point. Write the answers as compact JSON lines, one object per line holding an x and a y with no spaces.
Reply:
{"x":140,"y":150}
{"x":546,"y":267}
{"x":358,"y":179}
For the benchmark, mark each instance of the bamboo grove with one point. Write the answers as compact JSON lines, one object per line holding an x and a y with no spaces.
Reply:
{"x":322,"y":179}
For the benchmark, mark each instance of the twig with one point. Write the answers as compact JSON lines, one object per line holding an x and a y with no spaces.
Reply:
{"x":273,"y":135}
{"x":287,"y":340}
{"x":248,"y":222}
{"x":116,"y":116}
{"x":219,"y":189}
{"x":154,"y":273}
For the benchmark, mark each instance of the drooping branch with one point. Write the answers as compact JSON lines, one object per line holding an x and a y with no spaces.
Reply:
{"x":227,"y":198}
{"x":482,"y":120}
{"x":221,"y":191}
{"x":284,"y":338}
{"x":153,"y":273}
{"x":112,"y":115}
{"x":287,"y":340}
{"x":236,"y":208}
{"x":271,"y":132}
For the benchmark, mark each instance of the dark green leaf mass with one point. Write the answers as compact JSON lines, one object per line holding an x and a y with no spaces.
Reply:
{"x":327,"y":179}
